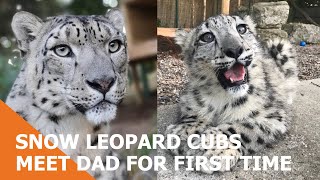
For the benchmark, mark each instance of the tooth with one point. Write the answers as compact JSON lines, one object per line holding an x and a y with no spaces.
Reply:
{"x":231,"y":80}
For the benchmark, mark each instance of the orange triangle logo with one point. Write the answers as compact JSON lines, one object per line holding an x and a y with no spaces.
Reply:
{"x":12,"y":125}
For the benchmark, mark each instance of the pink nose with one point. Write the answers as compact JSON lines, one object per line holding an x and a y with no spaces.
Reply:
{"x":101,"y":85}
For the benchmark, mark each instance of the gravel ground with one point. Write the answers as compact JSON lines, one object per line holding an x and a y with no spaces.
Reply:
{"x":172,"y":72}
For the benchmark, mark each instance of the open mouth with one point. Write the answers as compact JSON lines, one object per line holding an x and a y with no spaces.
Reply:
{"x":234,"y":76}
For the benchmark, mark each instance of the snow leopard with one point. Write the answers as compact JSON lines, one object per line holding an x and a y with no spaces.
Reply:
{"x":237,"y":85}
{"x":73,"y":77}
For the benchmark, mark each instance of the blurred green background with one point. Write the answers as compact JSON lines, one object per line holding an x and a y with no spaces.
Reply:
{"x":9,"y":58}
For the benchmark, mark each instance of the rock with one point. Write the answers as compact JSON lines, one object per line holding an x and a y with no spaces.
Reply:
{"x":266,"y":34}
{"x":271,"y":14}
{"x":302,"y":32}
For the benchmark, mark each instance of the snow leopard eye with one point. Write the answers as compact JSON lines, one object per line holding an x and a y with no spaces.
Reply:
{"x":114,"y":46}
{"x":241,"y":28}
{"x":63,"y":50}
{"x":207,"y":37}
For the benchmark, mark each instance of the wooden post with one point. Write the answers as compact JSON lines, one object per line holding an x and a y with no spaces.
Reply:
{"x":225,"y":5}
{"x":198,"y":12}
{"x":211,"y":8}
{"x":185,"y":13}
{"x":166,"y":12}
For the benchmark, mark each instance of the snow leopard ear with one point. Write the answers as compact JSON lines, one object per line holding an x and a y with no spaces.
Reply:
{"x":250,"y":23}
{"x":25,"y":27}
{"x":116,"y":18}
{"x":181,"y":38}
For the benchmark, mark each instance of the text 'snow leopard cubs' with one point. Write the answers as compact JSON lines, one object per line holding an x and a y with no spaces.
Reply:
{"x":235,"y":87}
{"x":73,"y":77}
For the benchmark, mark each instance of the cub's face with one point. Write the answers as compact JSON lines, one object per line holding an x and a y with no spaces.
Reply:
{"x":220,"y":51}
{"x":74,"y":63}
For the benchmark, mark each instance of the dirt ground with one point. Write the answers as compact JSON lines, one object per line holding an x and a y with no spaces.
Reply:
{"x":172,"y":72}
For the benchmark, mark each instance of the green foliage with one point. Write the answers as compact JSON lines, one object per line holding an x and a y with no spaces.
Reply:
{"x":8,"y":74}
{"x":85,"y":7}
{"x":158,"y":22}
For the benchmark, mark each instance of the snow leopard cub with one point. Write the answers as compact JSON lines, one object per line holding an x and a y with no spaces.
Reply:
{"x":235,"y":87}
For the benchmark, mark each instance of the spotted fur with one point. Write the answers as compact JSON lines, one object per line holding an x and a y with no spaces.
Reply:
{"x":257,"y":109}
{"x":75,"y":90}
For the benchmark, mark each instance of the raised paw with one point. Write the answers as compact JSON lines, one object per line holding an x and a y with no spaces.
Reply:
{"x":226,"y":156}
{"x":224,"y":159}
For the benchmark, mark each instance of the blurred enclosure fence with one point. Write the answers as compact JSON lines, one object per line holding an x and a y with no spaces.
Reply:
{"x":304,"y":8}
{"x":190,"y":13}
{"x":141,"y":31}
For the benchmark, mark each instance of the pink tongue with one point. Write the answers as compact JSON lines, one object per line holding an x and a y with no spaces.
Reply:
{"x":236,"y":73}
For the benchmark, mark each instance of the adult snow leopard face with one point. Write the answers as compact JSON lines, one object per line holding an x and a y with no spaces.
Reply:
{"x":74,"y":63}
{"x":220,"y":50}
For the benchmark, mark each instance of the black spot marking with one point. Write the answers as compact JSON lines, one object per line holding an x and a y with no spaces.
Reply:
{"x":245,"y":138}
{"x":254,"y":114}
{"x":248,"y":62}
{"x":260,"y":140}
{"x":78,"y":32}
{"x":44,"y":100}
{"x":210,"y":108}
{"x":269,"y":87}
{"x":264,"y":129}
{"x":55,"y":104}
{"x":240,"y":101}
{"x":284,"y":60}
{"x":274,"y":115}
{"x":80,"y":108}
{"x":251,"y":151}
{"x":54,"y":118}
{"x":39,"y":84}
{"x":95,"y":141}
{"x":278,"y":135}
{"x":247,"y":125}
{"x":251,"y":89}
{"x":289,"y":72}
{"x":232,"y":131}
{"x":269,"y":146}
{"x":197,"y":97}
{"x":99,"y":27}
{"x":96,"y":128}
{"x":94,"y":34}
{"x":225,"y":107}
{"x":43,"y":66}
{"x":268,"y":105}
